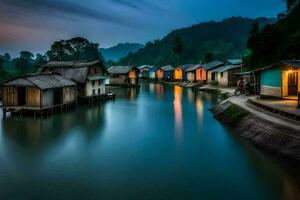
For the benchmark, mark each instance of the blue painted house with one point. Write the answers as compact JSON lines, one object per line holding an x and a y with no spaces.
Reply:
{"x":152,"y":73}
{"x":280,"y":80}
{"x":168,"y":72}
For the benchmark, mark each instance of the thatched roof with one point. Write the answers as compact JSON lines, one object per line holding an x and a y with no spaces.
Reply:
{"x":42,"y":81}
{"x":212,"y":65}
{"x":120,"y":69}
{"x":72,"y":64}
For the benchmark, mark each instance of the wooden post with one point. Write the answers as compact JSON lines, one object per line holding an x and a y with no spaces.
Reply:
{"x":298,"y":99}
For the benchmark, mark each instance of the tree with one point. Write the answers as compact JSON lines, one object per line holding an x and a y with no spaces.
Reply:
{"x":40,"y":59}
{"x":25,"y":63}
{"x":75,"y":49}
{"x":26,"y":55}
{"x":290,"y":3}
{"x":177,"y":48}
{"x":208,"y":57}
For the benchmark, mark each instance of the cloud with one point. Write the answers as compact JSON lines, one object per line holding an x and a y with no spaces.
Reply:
{"x":58,"y":8}
{"x":138,"y":4}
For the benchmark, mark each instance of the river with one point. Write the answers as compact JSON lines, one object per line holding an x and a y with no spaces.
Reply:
{"x":156,"y":142}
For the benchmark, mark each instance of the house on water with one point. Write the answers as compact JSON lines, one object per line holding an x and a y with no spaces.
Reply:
{"x":164,"y":73}
{"x":144,"y":71}
{"x":210,"y":73}
{"x":123,"y":75}
{"x":168,"y":71}
{"x":36,"y":93}
{"x":180,"y":73}
{"x":152,"y":73}
{"x":226,"y":75}
{"x":280,"y":80}
{"x":196,"y":73}
{"x":88,"y":75}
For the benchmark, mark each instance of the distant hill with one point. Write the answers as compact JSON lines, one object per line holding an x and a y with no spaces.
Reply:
{"x":209,"y":40}
{"x":116,"y":52}
{"x":279,"y":41}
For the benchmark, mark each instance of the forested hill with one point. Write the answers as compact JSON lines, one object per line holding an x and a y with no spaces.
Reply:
{"x":201,"y":42}
{"x":280,"y":41}
{"x":116,"y":52}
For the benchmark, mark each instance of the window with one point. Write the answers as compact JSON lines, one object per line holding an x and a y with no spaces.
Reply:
{"x":99,"y":91}
{"x":99,"y":82}
{"x":94,"y":91}
{"x":93,"y":83}
{"x":221,"y":74}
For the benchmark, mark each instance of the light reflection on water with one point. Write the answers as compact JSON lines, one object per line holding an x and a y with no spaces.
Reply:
{"x":126,"y":150}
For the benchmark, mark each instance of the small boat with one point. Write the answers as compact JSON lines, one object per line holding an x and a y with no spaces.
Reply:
{"x":110,"y":96}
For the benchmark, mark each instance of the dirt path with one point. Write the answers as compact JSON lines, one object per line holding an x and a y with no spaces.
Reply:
{"x":242,"y":102}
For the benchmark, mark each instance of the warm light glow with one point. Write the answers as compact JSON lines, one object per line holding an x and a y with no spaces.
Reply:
{"x":178,"y":112}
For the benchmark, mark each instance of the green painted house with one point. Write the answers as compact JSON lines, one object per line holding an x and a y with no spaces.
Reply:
{"x":280,"y":80}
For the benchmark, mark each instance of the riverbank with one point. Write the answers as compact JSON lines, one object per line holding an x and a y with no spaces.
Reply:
{"x":278,"y":137}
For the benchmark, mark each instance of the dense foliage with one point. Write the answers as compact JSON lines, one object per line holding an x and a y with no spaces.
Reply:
{"x":75,"y":49}
{"x":199,"y":43}
{"x":280,"y":41}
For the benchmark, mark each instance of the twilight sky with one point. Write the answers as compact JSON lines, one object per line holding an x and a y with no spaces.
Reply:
{"x":34,"y":24}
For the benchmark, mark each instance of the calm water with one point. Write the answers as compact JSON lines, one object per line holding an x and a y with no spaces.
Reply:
{"x":157,"y":142}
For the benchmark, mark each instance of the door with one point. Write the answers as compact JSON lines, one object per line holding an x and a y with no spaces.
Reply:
{"x":293,"y":83}
{"x":21,"y":96}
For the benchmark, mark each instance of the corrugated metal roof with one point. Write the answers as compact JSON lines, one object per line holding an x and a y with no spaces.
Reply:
{"x":167,"y":68}
{"x":213,"y":65}
{"x":42,"y":81}
{"x":71,"y":63}
{"x":227,"y":68}
{"x":192,"y":68}
{"x":77,"y":74}
{"x":293,"y":63}
{"x":185,"y":67}
{"x":119,"y":69}
{"x":235,"y":61}
{"x":95,"y":77}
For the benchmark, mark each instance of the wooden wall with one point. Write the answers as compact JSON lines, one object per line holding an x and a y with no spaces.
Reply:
{"x":178,"y":74}
{"x":69,"y":95}
{"x":159,"y":74}
{"x":133,"y":74}
{"x":9,"y":96}
{"x":33,"y":97}
{"x":200,"y":74}
{"x":47,"y":98}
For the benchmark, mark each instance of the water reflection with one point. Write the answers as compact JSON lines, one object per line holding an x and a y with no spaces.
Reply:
{"x":178,"y":112}
{"x":159,"y":89}
{"x":130,"y":93}
{"x":41,"y":131}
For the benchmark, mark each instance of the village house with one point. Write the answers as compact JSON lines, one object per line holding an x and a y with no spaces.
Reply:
{"x":144,"y":71}
{"x":210,"y":73}
{"x":123,"y":75}
{"x":88,"y":75}
{"x":164,"y":73}
{"x":152,"y":73}
{"x":280,"y":80}
{"x":168,"y":71}
{"x":196,"y":73}
{"x":226,"y":75}
{"x":180,"y":73}
{"x":35,"y":93}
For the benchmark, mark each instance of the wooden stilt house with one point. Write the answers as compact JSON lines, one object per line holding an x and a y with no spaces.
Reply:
{"x":123,"y":75}
{"x":38,"y":92}
{"x":88,"y":75}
